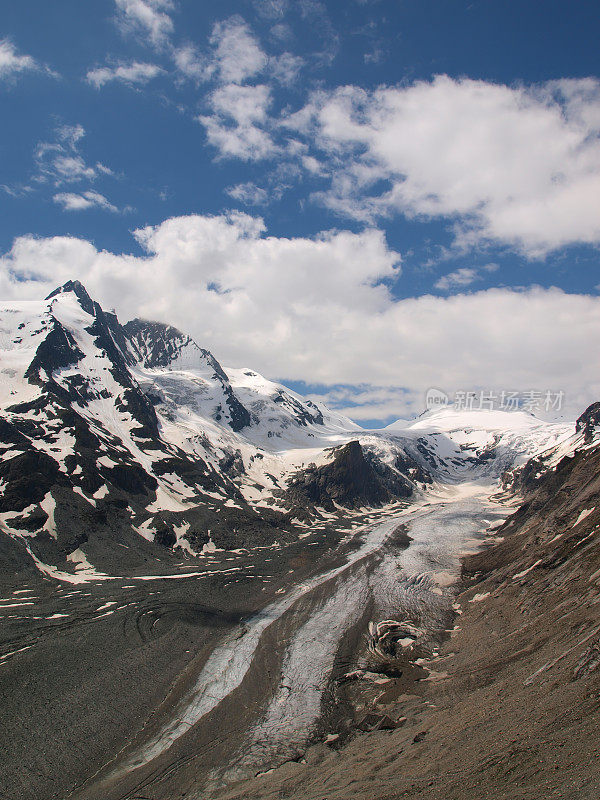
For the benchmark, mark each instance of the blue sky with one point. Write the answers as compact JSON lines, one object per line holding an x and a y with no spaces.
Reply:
{"x":362,"y":199}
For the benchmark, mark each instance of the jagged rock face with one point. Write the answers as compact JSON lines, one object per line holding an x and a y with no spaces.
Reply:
{"x":552,"y":460}
{"x":80,"y":292}
{"x":589,"y":422}
{"x":157,"y":345}
{"x":130,"y":434}
{"x":302,"y":415}
{"x":350,"y":480}
{"x":83,"y":445}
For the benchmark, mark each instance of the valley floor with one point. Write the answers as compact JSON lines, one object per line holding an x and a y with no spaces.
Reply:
{"x":226,"y":675}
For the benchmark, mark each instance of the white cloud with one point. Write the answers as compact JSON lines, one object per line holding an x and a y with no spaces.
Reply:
{"x":461,"y":277}
{"x":315,"y":12}
{"x":366,"y":402}
{"x":236,"y":126}
{"x":135,"y":73}
{"x":271,"y":9}
{"x":71,"y":201}
{"x":281,"y":32}
{"x":191,"y":63}
{"x":70,"y":134}
{"x":12,"y":62}
{"x":464,"y":276}
{"x":285,"y":68}
{"x":146,"y":17}
{"x":236,"y":120}
{"x":60,"y":161}
{"x":375,"y":56}
{"x":247,"y":142}
{"x":72,"y":168}
{"x":248,"y":193}
{"x":317,"y":310}
{"x":244,"y":104}
{"x":519,"y":166}
{"x":237,"y":54}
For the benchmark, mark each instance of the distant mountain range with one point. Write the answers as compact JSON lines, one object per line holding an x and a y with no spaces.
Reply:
{"x":124,"y":445}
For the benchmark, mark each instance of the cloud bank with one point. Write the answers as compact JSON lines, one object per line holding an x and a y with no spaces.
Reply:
{"x":319,"y":310}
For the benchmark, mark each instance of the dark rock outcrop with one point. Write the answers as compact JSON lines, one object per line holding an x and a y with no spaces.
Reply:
{"x":589,"y":422}
{"x":351,"y":480}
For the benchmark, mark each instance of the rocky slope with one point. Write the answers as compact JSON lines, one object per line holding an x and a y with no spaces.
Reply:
{"x":509,"y":708}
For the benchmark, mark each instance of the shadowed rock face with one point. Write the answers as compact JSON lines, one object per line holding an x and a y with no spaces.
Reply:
{"x":351,"y":480}
{"x":159,"y":345}
{"x":589,"y":422}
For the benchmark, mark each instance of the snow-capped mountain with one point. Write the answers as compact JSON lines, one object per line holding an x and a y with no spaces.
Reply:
{"x":526,"y":475}
{"x":135,"y":441}
{"x":481,"y":441}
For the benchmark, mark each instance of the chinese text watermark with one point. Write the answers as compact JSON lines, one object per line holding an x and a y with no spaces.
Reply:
{"x":532,"y":400}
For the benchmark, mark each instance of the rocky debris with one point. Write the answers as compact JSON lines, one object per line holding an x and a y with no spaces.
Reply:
{"x":232,"y":464}
{"x":524,"y":479}
{"x":379,"y":722}
{"x":389,"y":638}
{"x":110,"y":428}
{"x":517,"y":712}
{"x":589,"y":661}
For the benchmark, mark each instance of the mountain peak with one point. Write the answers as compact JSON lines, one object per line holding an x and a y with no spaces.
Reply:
{"x":79,"y":291}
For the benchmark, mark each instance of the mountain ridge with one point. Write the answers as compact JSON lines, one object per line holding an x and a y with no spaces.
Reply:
{"x":135,"y":428}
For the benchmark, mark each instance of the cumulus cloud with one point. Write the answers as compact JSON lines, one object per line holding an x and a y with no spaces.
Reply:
{"x":248,"y":142}
{"x":244,"y":104}
{"x":236,"y":126}
{"x":234,"y":55}
{"x":12,"y":62}
{"x":237,"y":54}
{"x":319,"y":310}
{"x":191,"y":63}
{"x":148,"y":18}
{"x":134,"y":73}
{"x":72,"y":201}
{"x":514,"y":165}
{"x":237,"y":117}
{"x":285,"y":68}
